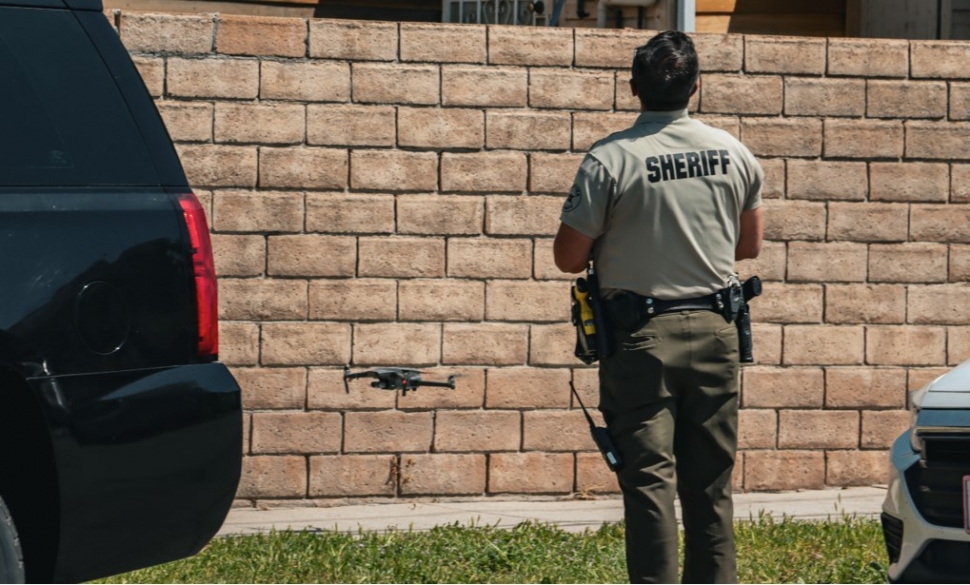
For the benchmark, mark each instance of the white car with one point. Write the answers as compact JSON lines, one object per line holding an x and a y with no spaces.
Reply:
{"x":924,"y":517}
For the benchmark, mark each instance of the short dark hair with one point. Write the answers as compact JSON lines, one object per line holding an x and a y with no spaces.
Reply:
{"x":665,"y":70}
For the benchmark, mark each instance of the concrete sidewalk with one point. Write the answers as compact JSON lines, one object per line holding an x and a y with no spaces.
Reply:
{"x":572,"y":515}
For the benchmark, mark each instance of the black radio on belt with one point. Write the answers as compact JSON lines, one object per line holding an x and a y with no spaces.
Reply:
{"x":733,"y":303}
{"x":749,"y":290}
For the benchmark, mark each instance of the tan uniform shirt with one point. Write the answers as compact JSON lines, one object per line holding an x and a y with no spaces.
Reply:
{"x":663,"y":201}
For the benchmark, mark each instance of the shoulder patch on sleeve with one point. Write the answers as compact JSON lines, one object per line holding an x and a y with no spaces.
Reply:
{"x":574,"y":200}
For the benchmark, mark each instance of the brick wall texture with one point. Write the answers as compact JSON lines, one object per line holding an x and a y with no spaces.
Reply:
{"x":386,"y":194}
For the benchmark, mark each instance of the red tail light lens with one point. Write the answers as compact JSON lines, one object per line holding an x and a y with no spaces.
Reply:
{"x":206,"y":295}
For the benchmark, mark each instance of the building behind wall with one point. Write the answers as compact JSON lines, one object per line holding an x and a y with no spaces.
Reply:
{"x":910,"y":19}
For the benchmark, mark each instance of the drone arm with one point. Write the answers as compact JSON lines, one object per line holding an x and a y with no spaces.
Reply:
{"x":449,"y":384}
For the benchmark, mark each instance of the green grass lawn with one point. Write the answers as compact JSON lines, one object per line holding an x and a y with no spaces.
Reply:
{"x":786,"y":551}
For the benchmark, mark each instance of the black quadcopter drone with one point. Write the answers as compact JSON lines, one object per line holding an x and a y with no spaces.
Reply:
{"x":394,"y":379}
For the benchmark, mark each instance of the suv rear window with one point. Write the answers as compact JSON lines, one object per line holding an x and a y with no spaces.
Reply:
{"x":63,"y":120}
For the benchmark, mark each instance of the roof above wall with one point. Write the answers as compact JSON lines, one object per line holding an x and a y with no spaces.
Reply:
{"x":73,"y":4}
{"x":386,"y":10}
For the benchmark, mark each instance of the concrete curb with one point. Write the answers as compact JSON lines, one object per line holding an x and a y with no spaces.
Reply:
{"x":572,"y":515}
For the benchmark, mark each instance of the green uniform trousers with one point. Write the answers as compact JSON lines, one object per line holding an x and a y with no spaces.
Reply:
{"x":669,"y":395}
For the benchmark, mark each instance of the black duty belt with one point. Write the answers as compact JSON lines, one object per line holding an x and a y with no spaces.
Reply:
{"x":629,"y":310}
{"x":652,"y":307}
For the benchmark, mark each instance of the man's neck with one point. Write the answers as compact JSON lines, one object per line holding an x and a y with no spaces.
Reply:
{"x":644,"y":110}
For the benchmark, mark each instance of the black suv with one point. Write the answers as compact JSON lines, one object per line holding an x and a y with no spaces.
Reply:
{"x":120,"y":433}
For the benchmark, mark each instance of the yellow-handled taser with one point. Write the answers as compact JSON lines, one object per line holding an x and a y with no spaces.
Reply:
{"x":581,"y":295}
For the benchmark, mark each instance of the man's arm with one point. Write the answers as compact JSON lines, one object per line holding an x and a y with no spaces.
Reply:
{"x":571,"y":249}
{"x":752,"y":233}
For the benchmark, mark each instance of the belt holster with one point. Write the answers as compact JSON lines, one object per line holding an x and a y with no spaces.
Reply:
{"x":582,"y":317}
{"x":592,"y":335}
{"x":732,"y":303}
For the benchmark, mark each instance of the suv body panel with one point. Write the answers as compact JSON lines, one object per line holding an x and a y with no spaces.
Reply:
{"x":147,"y":463}
{"x":98,"y":314}
{"x":94,"y":282}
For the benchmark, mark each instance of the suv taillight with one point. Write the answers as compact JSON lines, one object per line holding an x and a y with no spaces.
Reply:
{"x":203,"y":267}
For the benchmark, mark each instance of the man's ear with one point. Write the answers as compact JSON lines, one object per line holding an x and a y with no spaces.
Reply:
{"x":697,"y":85}
{"x":633,"y":89}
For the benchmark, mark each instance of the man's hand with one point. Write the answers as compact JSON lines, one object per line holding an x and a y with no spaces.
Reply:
{"x":752,"y":233}
{"x":571,"y":249}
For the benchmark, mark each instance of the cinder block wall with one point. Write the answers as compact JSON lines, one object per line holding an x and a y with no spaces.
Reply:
{"x":385,"y":193}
